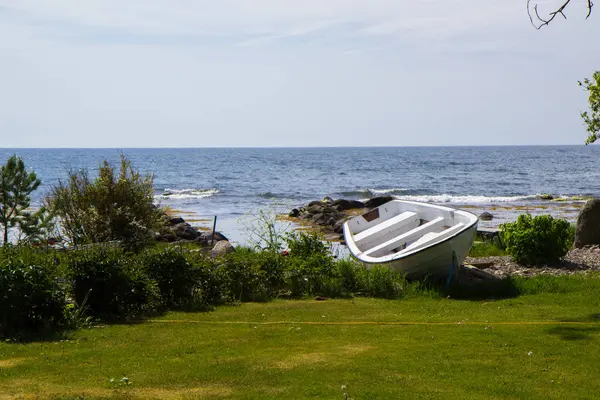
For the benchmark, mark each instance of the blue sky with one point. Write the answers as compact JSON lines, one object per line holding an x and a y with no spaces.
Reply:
{"x":235,"y":73}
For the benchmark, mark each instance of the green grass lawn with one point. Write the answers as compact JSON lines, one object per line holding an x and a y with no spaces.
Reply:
{"x":541,"y":345}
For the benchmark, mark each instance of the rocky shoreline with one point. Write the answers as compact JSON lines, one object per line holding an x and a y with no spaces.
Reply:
{"x":329,"y":215}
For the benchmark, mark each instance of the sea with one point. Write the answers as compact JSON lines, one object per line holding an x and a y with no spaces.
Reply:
{"x":236,"y":184}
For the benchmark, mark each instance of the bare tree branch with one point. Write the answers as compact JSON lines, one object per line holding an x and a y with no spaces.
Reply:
{"x":560,"y":11}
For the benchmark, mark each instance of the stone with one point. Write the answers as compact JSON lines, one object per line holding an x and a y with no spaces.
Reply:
{"x":338,"y":227}
{"x":327,"y":199}
{"x":587,"y":231}
{"x":208,"y":236}
{"x":377,"y":201}
{"x":486,"y":216}
{"x":221,"y":248}
{"x":294,"y":213}
{"x":185,"y":231}
{"x":546,"y":197}
{"x":175,"y":221}
{"x":343,"y":204}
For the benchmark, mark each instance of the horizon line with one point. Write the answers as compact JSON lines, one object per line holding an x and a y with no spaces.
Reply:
{"x":289,"y":147}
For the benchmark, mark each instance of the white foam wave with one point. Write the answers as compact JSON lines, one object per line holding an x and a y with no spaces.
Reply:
{"x":188,"y":193}
{"x":467,"y":199}
{"x":378,"y":192}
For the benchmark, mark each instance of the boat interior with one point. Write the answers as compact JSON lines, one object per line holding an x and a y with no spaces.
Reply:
{"x":402,"y":227}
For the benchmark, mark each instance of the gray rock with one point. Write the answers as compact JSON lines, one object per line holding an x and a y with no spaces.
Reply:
{"x":486,"y":216}
{"x":185,"y":231}
{"x":221,"y":248}
{"x":343,"y":204}
{"x":377,"y":201}
{"x":208,"y":236}
{"x":175,"y":221}
{"x":588,"y":225}
{"x":338,"y":227}
{"x":327,"y":199}
{"x":294,"y":213}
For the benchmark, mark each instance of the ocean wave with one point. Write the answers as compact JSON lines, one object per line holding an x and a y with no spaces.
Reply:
{"x":392,"y":191}
{"x":366,"y":193}
{"x":466,"y":199}
{"x":271,"y":195}
{"x":187,"y":193}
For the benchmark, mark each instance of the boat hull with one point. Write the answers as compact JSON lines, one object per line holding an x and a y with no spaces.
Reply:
{"x":438,"y":261}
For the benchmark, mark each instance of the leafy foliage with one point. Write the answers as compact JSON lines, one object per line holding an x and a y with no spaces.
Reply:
{"x":113,"y":285}
{"x":174,"y":273}
{"x":592,"y":119}
{"x":31,"y":300}
{"x":112,"y":207}
{"x":302,"y":244}
{"x":537,"y":241}
{"x":244,"y":277}
{"x":16,"y":186}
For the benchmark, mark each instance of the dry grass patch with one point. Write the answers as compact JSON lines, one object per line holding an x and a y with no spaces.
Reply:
{"x":11,"y":362}
{"x":56,"y":392}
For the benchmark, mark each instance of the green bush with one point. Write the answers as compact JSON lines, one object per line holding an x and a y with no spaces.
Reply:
{"x":31,"y":300}
{"x":310,"y":274}
{"x":116,"y":286}
{"x":537,"y":241}
{"x":302,"y":244}
{"x":175,"y":275}
{"x":115,"y":206}
{"x":244,"y":278}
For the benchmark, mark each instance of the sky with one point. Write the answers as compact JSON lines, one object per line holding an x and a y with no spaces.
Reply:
{"x":261,"y":73}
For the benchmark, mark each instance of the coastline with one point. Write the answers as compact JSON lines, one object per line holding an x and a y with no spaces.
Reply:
{"x":232,"y":226}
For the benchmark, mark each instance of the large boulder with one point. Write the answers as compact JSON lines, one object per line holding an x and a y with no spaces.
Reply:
{"x":377,"y":201}
{"x":343,"y":204}
{"x":208,"y":236}
{"x":221,"y":248}
{"x":588,"y":224}
{"x":338,"y":227}
{"x":486,"y":216}
{"x":175,"y":221}
{"x":185,"y":231}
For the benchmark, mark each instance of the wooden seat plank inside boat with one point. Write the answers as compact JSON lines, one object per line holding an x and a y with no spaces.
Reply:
{"x":391,"y":227}
{"x":431,"y":237}
{"x":396,"y":242}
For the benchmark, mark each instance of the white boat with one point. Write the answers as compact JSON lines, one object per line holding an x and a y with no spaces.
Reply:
{"x":417,"y":239}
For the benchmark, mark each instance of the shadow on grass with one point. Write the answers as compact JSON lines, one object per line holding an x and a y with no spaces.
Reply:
{"x":483,"y":289}
{"x":574,"y":332}
{"x":578,"y":332}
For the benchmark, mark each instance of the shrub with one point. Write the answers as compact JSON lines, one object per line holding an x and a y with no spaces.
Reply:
{"x":244,"y":278}
{"x":210,"y":278}
{"x":174,"y":273}
{"x":310,"y":275}
{"x":115,"y":285}
{"x":537,"y":241}
{"x":306,"y":245}
{"x":31,"y":300}
{"x":115,"y":206}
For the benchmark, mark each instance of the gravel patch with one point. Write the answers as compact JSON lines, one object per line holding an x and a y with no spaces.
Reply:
{"x":577,"y":261}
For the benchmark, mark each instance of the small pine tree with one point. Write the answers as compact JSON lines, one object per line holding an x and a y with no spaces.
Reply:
{"x":16,"y":186}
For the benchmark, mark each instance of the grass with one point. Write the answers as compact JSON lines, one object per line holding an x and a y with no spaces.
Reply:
{"x":543,"y":344}
{"x":486,"y":249}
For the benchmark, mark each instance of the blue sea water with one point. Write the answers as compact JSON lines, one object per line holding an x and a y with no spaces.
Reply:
{"x":230,"y":182}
